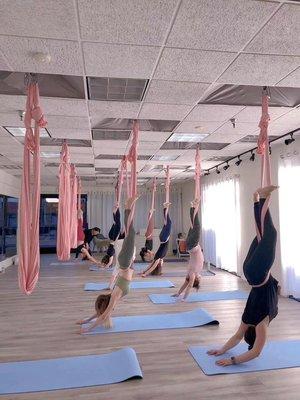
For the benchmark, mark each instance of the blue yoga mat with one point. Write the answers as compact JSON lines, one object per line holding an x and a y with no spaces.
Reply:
{"x":96,"y":268}
{"x":179,"y":274}
{"x":133,"y":285}
{"x":70,"y":372}
{"x":194,"y":297}
{"x":275,"y":355}
{"x":189,"y":319}
{"x":64,"y":264}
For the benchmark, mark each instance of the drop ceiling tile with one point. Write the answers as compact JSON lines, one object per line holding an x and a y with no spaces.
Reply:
{"x":66,"y":107}
{"x":281,"y":35}
{"x":192,"y":65}
{"x":112,"y":109}
{"x":56,"y":19}
{"x":132,"y":22}
{"x":99,"y":145}
{"x":149,"y":136}
{"x":201,"y":127}
{"x":10,"y":119}
{"x":252,"y":114}
{"x":107,"y":163}
{"x":222,"y":137}
{"x":236,"y":21}
{"x":236,"y":148}
{"x":292,"y":80}
{"x":209,"y":112}
{"x":241,"y":129}
{"x":61,"y":133}
{"x":257,"y":69}
{"x":119,"y":61}
{"x":65,"y":55}
{"x":172,"y":92}
{"x":63,"y":122}
{"x":149,"y":146}
{"x":163,"y":111}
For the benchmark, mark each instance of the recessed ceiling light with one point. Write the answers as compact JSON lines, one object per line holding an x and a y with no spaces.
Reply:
{"x":199,"y":127}
{"x":50,"y":154}
{"x":164,"y":158}
{"x":187,"y":137}
{"x":20,"y":132}
{"x":52,"y":200}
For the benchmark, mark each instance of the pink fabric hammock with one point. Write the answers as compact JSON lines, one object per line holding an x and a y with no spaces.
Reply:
{"x":118,"y":192}
{"x":197,"y":179}
{"x":263,"y":150}
{"x":29,"y":244}
{"x":64,"y":209}
{"x":132,"y":158}
{"x":80,"y":231}
{"x":150,"y":226}
{"x":73,"y":206}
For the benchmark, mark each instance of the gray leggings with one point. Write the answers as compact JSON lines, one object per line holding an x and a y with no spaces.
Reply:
{"x":127,"y":252}
{"x":193,"y":236}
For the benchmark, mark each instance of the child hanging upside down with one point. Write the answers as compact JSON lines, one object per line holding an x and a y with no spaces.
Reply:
{"x":106,"y":303}
{"x":195,"y":265}
{"x":262,"y":303}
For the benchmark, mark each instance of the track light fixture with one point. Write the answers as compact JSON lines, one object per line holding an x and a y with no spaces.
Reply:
{"x":218,"y":171}
{"x":238,"y":161}
{"x":226,"y":167}
{"x":252,"y":157}
{"x":206,"y":173}
{"x":270,"y":150}
{"x":233,"y":121}
{"x":289,"y":141}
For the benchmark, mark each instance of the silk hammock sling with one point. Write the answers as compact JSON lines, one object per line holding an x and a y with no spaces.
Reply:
{"x":29,"y":242}
{"x":73,"y":206}
{"x":263,"y":151}
{"x":197,"y":181}
{"x":167,"y":188}
{"x":64,"y":209}
{"x":132,"y":158}
{"x":150,"y":226}
{"x":80,"y":231}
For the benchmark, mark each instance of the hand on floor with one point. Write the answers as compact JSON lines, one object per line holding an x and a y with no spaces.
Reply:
{"x":224,"y":362}
{"x":215,"y":352}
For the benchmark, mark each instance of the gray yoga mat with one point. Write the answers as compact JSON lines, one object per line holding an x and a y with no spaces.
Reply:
{"x":133,"y":285}
{"x":69,"y":372}
{"x":189,"y":319}
{"x":275,"y":355}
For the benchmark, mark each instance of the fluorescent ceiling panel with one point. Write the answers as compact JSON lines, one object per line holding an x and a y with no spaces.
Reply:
{"x":187,"y":137}
{"x":20,"y":132}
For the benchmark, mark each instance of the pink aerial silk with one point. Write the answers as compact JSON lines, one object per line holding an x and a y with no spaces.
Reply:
{"x":64,"y":209}
{"x":167,"y":190}
{"x":263,"y":150}
{"x":150,"y":226}
{"x":197,"y":180}
{"x":73,"y":215}
{"x":132,"y":158}
{"x":80,"y":231}
{"x":29,"y":244}
{"x":119,"y":185}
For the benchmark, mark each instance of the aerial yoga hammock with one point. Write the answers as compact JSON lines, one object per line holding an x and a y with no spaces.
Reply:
{"x":146,"y":252}
{"x":262,"y":303}
{"x":106,"y":303}
{"x":196,"y":256}
{"x":164,"y":236}
{"x":29,"y":244}
{"x":63,"y":243}
{"x":73,"y":216}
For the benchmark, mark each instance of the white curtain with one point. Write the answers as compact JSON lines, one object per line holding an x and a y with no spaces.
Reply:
{"x":99,"y":208}
{"x":221,"y":223}
{"x":289,"y":214}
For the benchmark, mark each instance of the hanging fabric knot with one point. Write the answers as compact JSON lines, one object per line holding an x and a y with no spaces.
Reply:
{"x":262,"y":141}
{"x":38,"y":116}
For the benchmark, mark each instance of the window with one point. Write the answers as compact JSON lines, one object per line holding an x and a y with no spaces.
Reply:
{"x":8,"y":226}
{"x":221,"y":223}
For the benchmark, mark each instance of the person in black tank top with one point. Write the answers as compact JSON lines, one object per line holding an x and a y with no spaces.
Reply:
{"x":262,"y":303}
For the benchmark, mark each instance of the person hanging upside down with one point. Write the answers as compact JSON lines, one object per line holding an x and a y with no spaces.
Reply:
{"x":164,"y":237}
{"x":113,"y":235}
{"x":196,"y":260}
{"x":106,"y":303}
{"x":83,"y":247}
{"x":146,"y":252}
{"x":262,"y":303}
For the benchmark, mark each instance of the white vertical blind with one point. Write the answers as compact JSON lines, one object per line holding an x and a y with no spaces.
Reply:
{"x":221,"y":223}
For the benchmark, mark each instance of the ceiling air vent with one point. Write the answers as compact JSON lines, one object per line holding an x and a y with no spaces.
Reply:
{"x":116,"y":89}
{"x":253,"y":139}
{"x":125,"y":124}
{"x":109,"y":157}
{"x":106,"y":171}
{"x":99,"y":134}
{"x":71,"y":142}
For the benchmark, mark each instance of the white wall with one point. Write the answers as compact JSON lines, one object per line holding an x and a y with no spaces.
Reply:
{"x":9,"y":186}
{"x":249,"y":173}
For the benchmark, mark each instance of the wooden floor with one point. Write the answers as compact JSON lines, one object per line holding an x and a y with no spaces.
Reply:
{"x":42,"y":326}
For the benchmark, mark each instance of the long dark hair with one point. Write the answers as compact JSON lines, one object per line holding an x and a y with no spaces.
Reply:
{"x":105,"y":259}
{"x":143,"y":252}
{"x":250,"y":336}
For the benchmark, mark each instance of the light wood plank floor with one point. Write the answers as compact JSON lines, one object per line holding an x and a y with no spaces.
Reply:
{"x":42,"y":326}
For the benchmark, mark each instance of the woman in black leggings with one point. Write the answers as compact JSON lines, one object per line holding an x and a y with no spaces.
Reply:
{"x":262,"y":303}
{"x":113,"y":235}
{"x":164,"y":238}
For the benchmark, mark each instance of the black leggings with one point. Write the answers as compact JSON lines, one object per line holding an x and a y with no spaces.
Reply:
{"x":261,"y":255}
{"x":193,"y":236}
{"x":116,"y":226}
{"x":164,"y":237}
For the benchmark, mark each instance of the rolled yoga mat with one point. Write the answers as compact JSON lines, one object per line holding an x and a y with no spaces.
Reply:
{"x":204,"y":296}
{"x":133,"y":285}
{"x":70,"y":372}
{"x":275,"y":355}
{"x":189,"y":319}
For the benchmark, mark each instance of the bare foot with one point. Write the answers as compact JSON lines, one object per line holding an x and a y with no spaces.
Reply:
{"x":166,"y":204}
{"x":266,"y":191}
{"x":255,"y":197}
